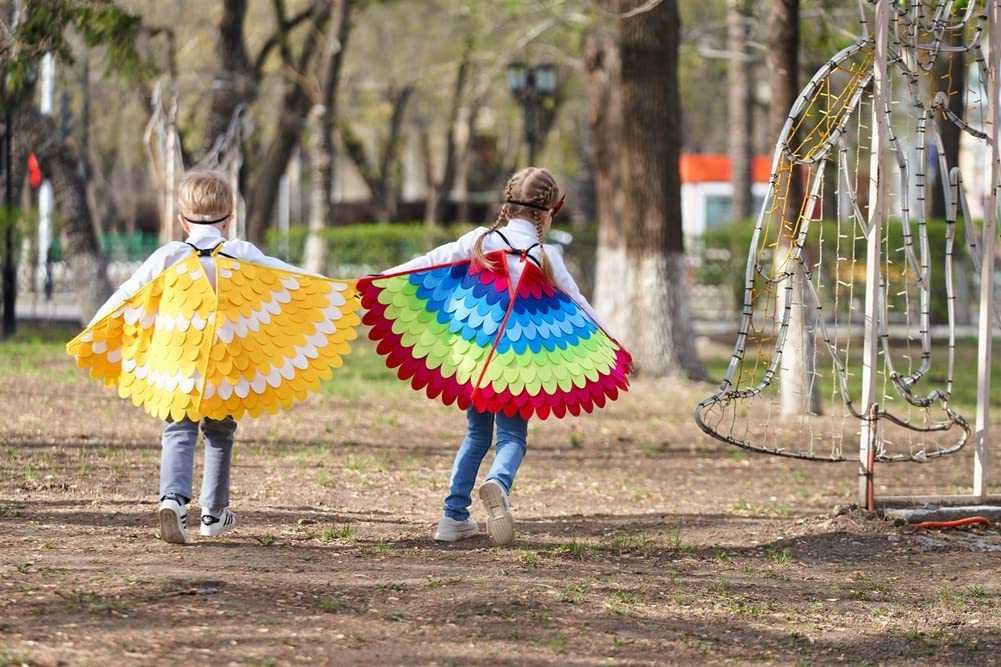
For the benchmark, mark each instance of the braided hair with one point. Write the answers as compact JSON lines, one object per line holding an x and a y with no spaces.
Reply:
{"x":532,"y":185}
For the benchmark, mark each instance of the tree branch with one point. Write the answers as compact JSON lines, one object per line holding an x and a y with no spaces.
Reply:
{"x":280,"y":38}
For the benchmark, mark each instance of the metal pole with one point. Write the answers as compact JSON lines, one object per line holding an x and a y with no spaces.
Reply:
{"x":984,"y":326}
{"x":9,"y":273}
{"x":878,"y":180}
{"x":45,"y":194}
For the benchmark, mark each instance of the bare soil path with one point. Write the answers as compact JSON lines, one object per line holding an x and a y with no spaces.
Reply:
{"x":640,"y":542}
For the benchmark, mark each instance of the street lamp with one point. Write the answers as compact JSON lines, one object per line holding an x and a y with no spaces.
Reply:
{"x":534,"y":87}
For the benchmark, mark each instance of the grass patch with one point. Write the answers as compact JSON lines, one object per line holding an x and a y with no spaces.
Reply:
{"x":9,"y":658}
{"x":572,"y":549}
{"x":366,"y":463}
{"x":93,"y":602}
{"x":528,"y":557}
{"x":323,"y":479}
{"x":558,"y":644}
{"x":677,"y":542}
{"x":435,"y":582}
{"x":975,"y":592}
{"x":39,"y":351}
{"x":624,"y":543}
{"x":964,"y":394}
{"x":623,"y":597}
{"x":331,"y":605}
{"x":364,"y":374}
{"x":778,"y":556}
{"x":575,"y":593}
{"x":334,"y":533}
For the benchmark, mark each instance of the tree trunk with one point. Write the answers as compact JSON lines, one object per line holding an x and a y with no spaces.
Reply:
{"x":381,"y":180}
{"x":949,"y":65}
{"x":642,"y":254}
{"x":292,"y":115}
{"x":799,"y":391}
{"x":783,"y":76}
{"x":321,"y":212}
{"x":321,"y":156}
{"x":38,"y":133}
{"x":386,"y":201}
{"x":605,"y":117}
{"x":437,"y":204}
{"x":235,"y":83}
{"x":739,"y":111}
{"x":464,"y":160}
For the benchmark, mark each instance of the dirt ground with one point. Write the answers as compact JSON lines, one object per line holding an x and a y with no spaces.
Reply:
{"x":640,"y":541}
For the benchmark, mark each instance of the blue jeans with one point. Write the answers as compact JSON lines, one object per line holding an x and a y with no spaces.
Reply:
{"x":177,"y":459}
{"x":511,"y":436}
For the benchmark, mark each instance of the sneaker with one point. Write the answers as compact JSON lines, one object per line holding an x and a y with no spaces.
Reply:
{"x":500,"y":523}
{"x":453,"y":530}
{"x":173,"y":521}
{"x":215,"y":525}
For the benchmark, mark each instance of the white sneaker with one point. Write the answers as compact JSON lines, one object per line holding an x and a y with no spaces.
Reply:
{"x":173,"y":521}
{"x":214,"y":526}
{"x":500,"y":523}
{"x":452,"y":530}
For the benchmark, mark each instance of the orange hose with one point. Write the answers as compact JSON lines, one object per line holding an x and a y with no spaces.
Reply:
{"x":956,"y":523}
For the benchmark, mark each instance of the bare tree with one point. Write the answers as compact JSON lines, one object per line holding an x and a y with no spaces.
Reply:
{"x":379,"y":174}
{"x":641,"y":275}
{"x":291,"y":116}
{"x":322,"y":154}
{"x":739,"y":112}
{"x":799,"y":391}
{"x":239,"y":76}
{"x":440,"y":188}
{"x":950,"y":77}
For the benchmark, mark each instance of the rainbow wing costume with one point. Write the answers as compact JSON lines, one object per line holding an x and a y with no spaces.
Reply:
{"x":458,"y":332}
{"x":263,"y":339}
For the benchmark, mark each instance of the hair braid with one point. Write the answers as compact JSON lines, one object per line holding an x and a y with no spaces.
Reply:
{"x":532,"y":185}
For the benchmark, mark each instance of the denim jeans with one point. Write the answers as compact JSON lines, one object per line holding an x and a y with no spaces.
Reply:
{"x":177,"y":459}
{"x":511,"y":436}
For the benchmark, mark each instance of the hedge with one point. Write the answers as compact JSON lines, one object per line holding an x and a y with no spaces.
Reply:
{"x":364,"y":248}
{"x":724,"y":256}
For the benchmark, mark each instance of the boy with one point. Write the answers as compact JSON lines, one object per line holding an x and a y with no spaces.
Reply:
{"x":199,"y":350}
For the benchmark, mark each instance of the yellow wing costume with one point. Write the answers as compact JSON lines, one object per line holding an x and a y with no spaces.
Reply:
{"x":263,"y":339}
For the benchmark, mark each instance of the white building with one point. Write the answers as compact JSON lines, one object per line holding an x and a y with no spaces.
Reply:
{"x":706,"y":192}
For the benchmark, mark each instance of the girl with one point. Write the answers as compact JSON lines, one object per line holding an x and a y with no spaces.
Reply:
{"x":495,"y":323}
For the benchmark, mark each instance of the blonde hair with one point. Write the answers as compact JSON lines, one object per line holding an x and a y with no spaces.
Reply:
{"x":204,"y":195}
{"x":532,"y":185}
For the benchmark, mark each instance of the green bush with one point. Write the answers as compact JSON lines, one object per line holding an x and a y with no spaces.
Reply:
{"x":376,"y":246}
{"x":368,"y":248}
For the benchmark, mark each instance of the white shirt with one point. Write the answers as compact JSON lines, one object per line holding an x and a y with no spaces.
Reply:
{"x":522,"y":234}
{"x":201,"y":236}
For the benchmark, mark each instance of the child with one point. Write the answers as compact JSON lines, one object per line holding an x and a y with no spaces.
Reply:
{"x":495,"y":323}
{"x":207,"y":330}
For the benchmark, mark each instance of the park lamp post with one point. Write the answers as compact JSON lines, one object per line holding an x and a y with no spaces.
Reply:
{"x":534,"y":88}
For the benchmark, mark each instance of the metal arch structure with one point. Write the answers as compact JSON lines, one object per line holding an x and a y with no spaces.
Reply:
{"x":898,"y":49}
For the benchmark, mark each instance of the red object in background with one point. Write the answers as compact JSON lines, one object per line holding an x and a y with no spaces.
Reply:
{"x":34,"y":171}
{"x":710,"y":167}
